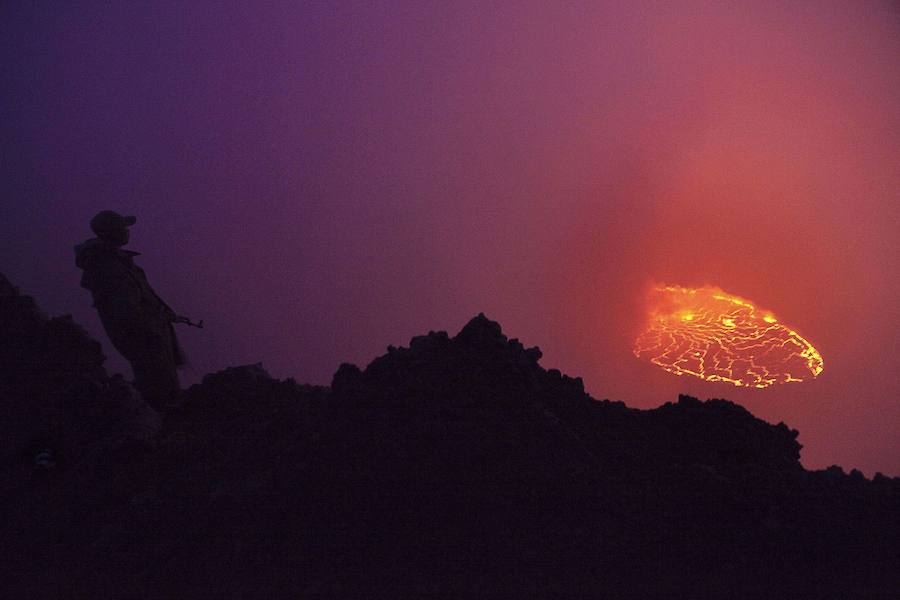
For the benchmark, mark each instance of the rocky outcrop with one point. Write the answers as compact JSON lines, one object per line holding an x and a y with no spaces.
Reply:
{"x":455,"y":466}
{"x":55,"y":391}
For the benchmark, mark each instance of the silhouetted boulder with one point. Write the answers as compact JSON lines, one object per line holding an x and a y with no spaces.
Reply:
{"x":346,"y":378}
{"x":456,"y":466}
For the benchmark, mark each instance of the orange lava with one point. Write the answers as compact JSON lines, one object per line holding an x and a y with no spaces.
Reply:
{"x":716,"y":336}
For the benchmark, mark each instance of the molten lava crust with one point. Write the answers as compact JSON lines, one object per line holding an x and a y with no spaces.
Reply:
{"x":716,"y":336}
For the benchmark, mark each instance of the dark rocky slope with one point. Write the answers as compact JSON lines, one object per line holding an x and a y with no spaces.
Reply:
{"x":457,"y":466}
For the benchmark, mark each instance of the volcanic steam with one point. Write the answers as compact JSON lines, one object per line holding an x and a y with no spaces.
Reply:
{"x":717,"y":336}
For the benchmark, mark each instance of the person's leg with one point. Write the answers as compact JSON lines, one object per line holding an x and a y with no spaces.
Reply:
{"x":155,"y":375}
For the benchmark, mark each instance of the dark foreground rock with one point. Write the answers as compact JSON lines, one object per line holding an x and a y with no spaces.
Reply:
{"x":455,"y":467}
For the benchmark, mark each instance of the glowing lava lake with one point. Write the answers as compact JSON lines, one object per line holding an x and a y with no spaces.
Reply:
{"x":716,"y":336}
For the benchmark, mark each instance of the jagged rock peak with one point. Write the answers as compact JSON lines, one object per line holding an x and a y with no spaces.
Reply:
{"x":346,"y":376}
{"x":686,"y":402}
{"x":251,"y":373}
{"x":480,"y":341}
{"x":481,"y":332}
{"x":7,"y":289}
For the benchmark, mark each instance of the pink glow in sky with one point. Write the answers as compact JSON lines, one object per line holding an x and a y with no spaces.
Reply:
{"x":317,"y":182}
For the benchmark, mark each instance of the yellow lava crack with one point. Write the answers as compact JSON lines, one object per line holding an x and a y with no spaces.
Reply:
{"x":716,"y":336}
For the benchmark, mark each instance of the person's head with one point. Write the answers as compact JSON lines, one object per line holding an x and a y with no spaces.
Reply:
{"x":112,"y":227}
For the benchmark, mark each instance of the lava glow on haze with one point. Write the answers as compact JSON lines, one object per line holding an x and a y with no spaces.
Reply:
{"x":716,"y":336}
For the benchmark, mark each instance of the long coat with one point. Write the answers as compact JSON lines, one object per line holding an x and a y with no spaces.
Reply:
{"x":129,"y":308}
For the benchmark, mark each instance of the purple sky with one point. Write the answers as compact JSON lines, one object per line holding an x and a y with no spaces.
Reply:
{"x":318,"y":182}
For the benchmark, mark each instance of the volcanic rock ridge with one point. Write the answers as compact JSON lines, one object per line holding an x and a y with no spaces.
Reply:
{"x":455,"y":467}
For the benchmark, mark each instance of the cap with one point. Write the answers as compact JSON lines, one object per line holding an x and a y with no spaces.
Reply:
{"x":109,"y":220}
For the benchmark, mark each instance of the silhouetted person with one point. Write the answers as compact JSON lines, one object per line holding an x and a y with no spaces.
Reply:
{"x":137,"y":321}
